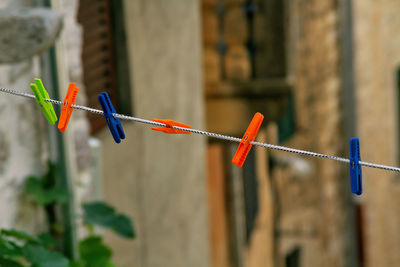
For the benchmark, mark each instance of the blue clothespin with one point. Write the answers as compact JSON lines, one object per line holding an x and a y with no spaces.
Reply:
{"x":355,"y":167}
{"x":113,"y":123}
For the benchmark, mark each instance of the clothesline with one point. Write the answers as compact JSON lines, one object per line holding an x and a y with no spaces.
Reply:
{"x":210,"y":134}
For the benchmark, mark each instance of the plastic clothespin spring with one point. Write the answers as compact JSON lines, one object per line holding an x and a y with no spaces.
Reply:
{"x":41,"y":95}
{"x":113,"y":123}
{"x":355,"y":167}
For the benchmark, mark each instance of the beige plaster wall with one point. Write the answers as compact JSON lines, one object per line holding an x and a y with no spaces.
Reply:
{"x":377,"y":58}
{"x":159,"y":179}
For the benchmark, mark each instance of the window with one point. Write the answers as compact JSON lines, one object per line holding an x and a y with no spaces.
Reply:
{"x":104,"y":56}
{"x":287,"y":125}
{"x":250,"y":188}
{"x":292,"y":259}
{"x":360,"y":234}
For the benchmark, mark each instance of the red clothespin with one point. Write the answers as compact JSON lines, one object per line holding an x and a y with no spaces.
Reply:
{"x":66,"y":110}
{"x":249,"y":135}
{"x":168,"y":128}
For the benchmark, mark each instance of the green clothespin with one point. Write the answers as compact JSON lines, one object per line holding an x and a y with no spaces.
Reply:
{"x":40,"y":95}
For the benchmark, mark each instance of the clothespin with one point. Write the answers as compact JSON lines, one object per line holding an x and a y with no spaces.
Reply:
{"x":113,"y":123}
{"x":67,"y":108}
{"x":355,"y":167}
{"x":249,"y":135}
{"x":40,"y":95}
{"x":168,"y":128}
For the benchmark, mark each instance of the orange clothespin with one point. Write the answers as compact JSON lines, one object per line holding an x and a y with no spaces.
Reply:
{"x":66,"y":110}
{"x":168,"y":129}
{"x":249,"y":135}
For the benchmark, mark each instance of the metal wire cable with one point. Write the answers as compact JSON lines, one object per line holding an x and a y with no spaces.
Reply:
{"x":213,"y":135}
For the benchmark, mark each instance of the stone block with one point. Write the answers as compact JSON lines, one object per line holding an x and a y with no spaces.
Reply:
{"x":231,"y":115}
{"x":210,"y":26}
{"x":235,"y":26}
{"x":211,"y":68}
{"x":209,"y":3}
{"x":237,"y":64}
{"x":26,"y":32}
{"x":233,"y":2}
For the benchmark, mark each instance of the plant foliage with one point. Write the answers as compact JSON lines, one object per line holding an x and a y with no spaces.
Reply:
{"x":17,"y":247}
{"x":20,"y":249}
{"x":44,"y":189}
{"x":102,"y":214}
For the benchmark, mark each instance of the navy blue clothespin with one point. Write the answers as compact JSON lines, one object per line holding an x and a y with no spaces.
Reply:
{"x":355,"y":167}
{"x":113,"y":123}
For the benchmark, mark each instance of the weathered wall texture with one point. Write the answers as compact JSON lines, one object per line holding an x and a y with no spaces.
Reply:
{"x":312,"y":208}
{"x":377,"y":59}
{"x":24,"y":131}
{"x":23,"y":146}
{"x":159,"y":179}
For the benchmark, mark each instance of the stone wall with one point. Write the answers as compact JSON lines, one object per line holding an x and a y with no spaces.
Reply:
{"x":24,"y":149}
{"x":317,"y":205}
{"x":313,"y":210}
{"x":24,"y":136}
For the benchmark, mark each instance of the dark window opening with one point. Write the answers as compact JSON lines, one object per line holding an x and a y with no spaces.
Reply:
{"x":292,"y":259}
{"x":360,"y":234}
{"x":250,"y":186}
{"x":287,"y":125}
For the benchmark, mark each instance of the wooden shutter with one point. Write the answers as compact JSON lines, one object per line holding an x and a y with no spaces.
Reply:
{"x":97,"y":55}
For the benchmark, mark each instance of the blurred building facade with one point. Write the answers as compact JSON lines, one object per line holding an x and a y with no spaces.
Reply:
{"x":309,"y":217}
{"x":320,"y":72}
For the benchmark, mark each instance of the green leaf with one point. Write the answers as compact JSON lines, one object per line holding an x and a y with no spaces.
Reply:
{"x":9,"y":248}
{"x":47,"y":240}
{"x":41,"y":257}
{"x":76,"y":264}
{"x":34,"y":187}
{"x":100,"y":213}
{"x":9,"y":263}
{"x":45,"y":195}
{"x":57,"y":194}
{"x":122,"y":225}
{"x":94,"y":253}
{"x":20,"y":235}
{"x":50,"y":176}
